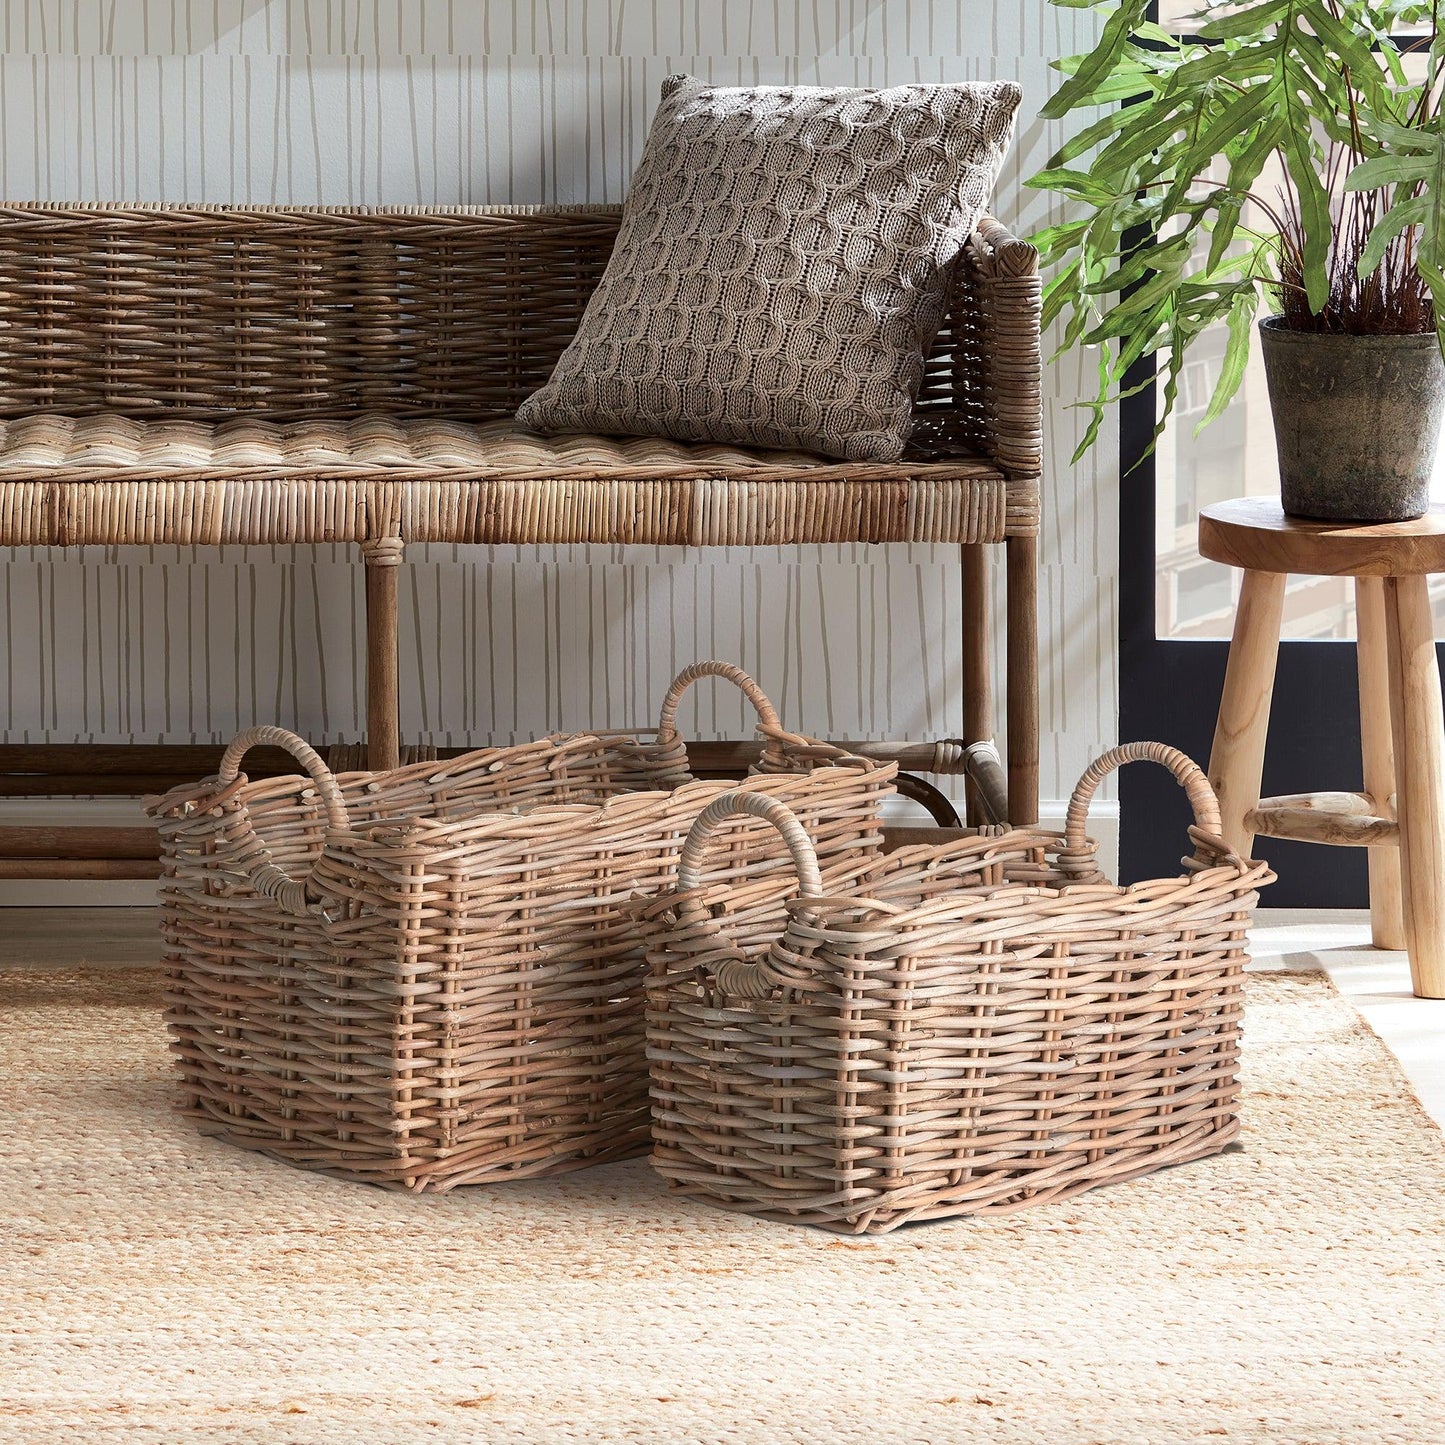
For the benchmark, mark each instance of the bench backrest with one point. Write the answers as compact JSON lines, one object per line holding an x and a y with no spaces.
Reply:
{"x":210,"y":311}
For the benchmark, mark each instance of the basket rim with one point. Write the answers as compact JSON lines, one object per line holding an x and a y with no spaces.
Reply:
{"x":1000,"y":904}
{"x":989,"y":913}
{"x":521,"y":822}
{"x":531,"y":821}
{"x":172,"y":802}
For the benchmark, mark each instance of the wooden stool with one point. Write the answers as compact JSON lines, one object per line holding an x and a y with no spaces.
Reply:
{"x":1400,"y":817}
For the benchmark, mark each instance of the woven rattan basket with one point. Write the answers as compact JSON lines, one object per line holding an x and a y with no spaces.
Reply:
{"x":435,"y":976}
{"x":947,"y":1030}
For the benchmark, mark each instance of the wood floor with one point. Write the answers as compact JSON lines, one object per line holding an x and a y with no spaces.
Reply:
{"x":78,"y":937}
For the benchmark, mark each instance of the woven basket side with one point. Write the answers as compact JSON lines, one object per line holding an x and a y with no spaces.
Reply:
{"x":465,"y":1001}
{"x":235,"y":961}
{"x":953,"y":1053}
{"x":517,"y":950}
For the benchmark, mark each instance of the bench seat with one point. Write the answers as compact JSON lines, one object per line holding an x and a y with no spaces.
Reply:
{"x":223,"y":375}
{"x":249,"y":480}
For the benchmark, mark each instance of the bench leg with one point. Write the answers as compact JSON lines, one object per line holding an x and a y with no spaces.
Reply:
{"x":977,"y":670}
{"x":383,"y":558}
{"x":1419,"y":737}
{"x":1236,"y":761}
{"x":1023,"y":680}
{"x":1387,"y":921}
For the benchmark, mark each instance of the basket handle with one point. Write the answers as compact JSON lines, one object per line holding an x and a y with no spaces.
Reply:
{"x":737,"y":975}
{"x":756,"y":805}
{"x":767,"y":713}
{"x":1208,"y":829}
{"x":269,"y":878}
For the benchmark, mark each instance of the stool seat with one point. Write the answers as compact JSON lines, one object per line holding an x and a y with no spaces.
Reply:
{"x":1254,"y":533}
{"x":1400,"y":815}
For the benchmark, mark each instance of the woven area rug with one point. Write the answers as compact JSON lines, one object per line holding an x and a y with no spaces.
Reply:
{"x":155,"y":1285}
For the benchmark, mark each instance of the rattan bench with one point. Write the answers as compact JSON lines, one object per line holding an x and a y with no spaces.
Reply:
{"x":209,"y":375}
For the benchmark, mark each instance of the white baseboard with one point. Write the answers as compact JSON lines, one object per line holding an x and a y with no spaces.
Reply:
{"x":126,"y":812}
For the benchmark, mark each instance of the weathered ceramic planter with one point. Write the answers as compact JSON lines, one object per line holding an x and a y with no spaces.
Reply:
{"x":1357,"y":421}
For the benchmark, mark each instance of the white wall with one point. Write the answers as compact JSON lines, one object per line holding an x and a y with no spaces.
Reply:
{"x":417,"y":101}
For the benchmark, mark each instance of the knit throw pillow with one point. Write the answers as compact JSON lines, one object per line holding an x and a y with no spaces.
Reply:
{"x":782,"y":267}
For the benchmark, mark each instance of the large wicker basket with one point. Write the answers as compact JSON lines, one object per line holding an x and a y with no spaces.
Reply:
{"x":435,"y":976}
{"x":949,"y":1030}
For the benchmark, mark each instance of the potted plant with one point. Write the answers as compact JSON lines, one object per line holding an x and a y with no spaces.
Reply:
{"x":1291,"y":151}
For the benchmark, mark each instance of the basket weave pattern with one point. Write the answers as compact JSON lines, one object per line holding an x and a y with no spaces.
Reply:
{"x":955,"y":1030}
{"x":434,"y":976}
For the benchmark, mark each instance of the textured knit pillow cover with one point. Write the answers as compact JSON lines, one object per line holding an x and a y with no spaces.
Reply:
{"x":782,"y":267}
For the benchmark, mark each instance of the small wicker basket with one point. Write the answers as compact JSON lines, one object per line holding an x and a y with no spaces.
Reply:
{"x":435,"y":976}
{"x":949,"y":1030}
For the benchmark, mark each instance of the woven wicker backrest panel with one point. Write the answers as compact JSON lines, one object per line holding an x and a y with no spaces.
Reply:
{"x":216,"y":311}
{"x":209,"y":311}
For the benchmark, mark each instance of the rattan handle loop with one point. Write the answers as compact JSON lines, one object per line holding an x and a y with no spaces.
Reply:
{"x":269,"y":878}
{"x":1187,"y":773}
{"x":667,"y":718}
{"x":739,"y":976}
{"x":303,"y":752}
{"x":754,"y":805}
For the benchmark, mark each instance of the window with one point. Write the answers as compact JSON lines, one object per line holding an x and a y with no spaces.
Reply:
{"x":1235,"y":456}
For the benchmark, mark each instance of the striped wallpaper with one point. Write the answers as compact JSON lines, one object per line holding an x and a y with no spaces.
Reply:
{"x":418,"y":101}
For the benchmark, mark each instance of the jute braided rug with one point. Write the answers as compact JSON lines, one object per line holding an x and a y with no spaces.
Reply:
{"x":155,"y":1285}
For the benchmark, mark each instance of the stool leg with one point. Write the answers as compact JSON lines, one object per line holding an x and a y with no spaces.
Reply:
{"x":1387,"y":919}
{"x":1419,"y":736}
{"x":977,"y":678}
{"x":1236,"y":762}
{"x":383,"y":725}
